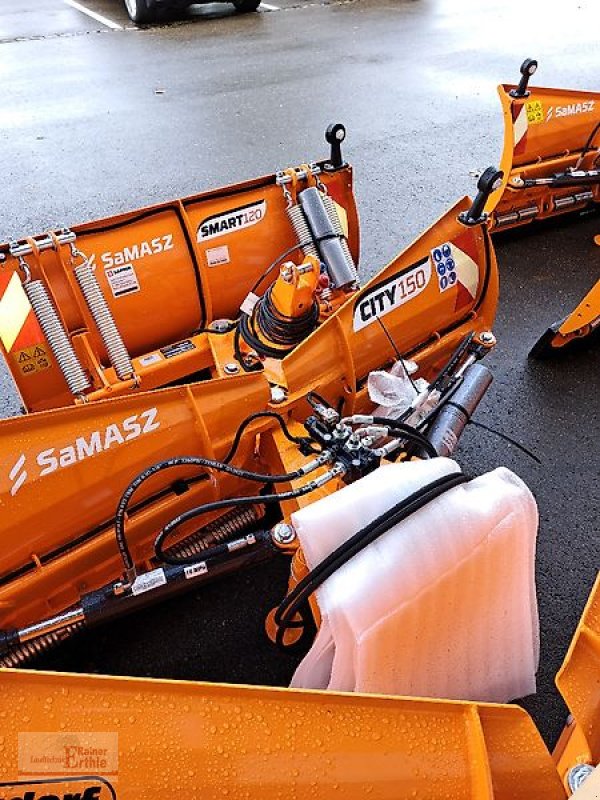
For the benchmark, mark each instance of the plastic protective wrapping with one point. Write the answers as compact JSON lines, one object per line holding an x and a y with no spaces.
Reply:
{"x":443,"y":604}
{"x":394,"y":391}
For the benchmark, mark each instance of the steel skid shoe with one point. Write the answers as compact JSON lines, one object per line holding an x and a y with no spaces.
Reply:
{"x":579,"y":329}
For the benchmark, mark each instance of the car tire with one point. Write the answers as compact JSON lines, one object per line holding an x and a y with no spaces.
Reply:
{"x":139,"y":11}
{"x":245,"y":6}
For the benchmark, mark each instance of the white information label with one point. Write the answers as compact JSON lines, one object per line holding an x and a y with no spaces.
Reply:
{"x":151,"y":358}
{"x":250,"y":301}
{"x":148,"y":581}
{"x":215,"y":256}
{"x":122,"y":280}
{"x":385,"y":297}
{"x":195,"y":569}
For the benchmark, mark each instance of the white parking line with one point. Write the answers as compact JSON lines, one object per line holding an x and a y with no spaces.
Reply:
{"x":98,"y":17}
{"x":269,"y":7}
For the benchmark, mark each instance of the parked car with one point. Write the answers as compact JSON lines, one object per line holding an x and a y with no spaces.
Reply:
{"x":147,"y":10}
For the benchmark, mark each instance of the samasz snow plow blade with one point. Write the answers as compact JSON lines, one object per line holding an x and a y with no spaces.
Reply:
{"x":551,"y":166}
{"x":64,"y":471}
{"x":133,"y":738}
{"x":550,"y":157}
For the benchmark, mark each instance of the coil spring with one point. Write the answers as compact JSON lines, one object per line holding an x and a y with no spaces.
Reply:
{"x":300,"y":226}
{"x":36,"y":647}
{"x":215,"y":532}
{"x":337,"y":224}
{"x":117,"y":352}
{"x":56,"y":336}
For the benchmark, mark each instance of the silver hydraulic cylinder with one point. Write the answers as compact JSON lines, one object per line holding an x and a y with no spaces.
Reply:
{"x":450,"y":423}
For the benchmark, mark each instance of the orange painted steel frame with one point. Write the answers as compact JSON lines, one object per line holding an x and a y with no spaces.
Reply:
{"x":209,"y":741}
{"x":578,"y":683}
{"x":140,"y":738}
{"x":544,"y":134}
{"x":62,"y":472}
{"x":166,"y":272}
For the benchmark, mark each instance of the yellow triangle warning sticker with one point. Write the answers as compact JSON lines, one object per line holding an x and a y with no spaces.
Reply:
{"x":32,"y":359}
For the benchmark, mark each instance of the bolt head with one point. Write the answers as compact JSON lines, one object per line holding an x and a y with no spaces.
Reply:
{"x":278,"y":394}
{"x":578,"y":774}
{"x":231,"y":368}
{"x":487,"y":338}
{"x":219,"y":325}
{"x":283,"y":533}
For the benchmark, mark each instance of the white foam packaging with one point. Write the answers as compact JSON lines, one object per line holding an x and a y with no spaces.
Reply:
{"x":443,"y":604}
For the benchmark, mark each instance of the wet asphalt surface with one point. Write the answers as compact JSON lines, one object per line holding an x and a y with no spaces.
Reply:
{"x":98,"y":120}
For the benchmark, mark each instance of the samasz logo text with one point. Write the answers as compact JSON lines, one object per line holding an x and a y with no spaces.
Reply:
{"x":86,"y":446}
{"x":151,"y":247}
{"x":569,"y":110}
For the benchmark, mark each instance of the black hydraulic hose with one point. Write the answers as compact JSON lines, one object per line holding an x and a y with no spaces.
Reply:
{"x":588,"y":144}
{"x":285,"y":332}
{"x":445,"y":397}
{"x":454,"y":360}
{"x":299,"y":440}
{"x":284,"y":616}
{"x":564,"y":179}
{"x":278,"y":261}
{"x":266,"y":499}
{"x":179,"y":461}
{"x":103,"y":605}
{"x":243,"y":323}
{"x":407,"y":432}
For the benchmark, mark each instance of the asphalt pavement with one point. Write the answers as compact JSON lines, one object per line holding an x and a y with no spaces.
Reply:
{"x":100,"y":118}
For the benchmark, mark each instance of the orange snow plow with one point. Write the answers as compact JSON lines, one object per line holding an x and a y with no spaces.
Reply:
{"x":228,"y":283}
{"x":172,"y":444}
{"x":129,"y":499}
{"x":551,"y":167}
{"x":103,"y":737}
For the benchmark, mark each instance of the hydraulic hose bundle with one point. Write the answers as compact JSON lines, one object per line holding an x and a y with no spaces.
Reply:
{"x":272,"y":325}
{"x":294,"y":604}
{"x":273,"y":333}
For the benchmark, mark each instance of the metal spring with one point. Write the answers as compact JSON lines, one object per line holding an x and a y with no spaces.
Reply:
{"x":56,"y":336}
{"x":217,"y":531}
{"x":117,"y":352}
{"x":300,"y":226}
{"x":36,"y":647}
{"x":337,"y":224}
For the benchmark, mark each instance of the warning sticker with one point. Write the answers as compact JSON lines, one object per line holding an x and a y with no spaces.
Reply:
{"x":215,"y":256}
{"x":445,"y":266}
{"x":535,"y":112}
{"x":32,"y":359}
{"x":122,"y":280}
{"x":178,"y":348}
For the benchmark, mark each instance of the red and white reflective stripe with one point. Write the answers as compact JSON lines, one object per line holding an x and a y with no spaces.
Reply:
{"x":467,"y":271}
{"x":465,"y":255}
{"x":520,"y":125}
{"x":18,"y":326}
